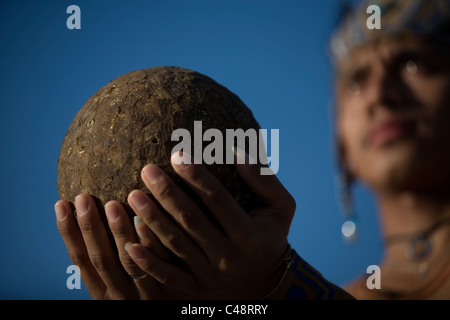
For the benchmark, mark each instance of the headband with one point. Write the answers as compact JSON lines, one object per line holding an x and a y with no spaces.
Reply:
{"x":421,"y":17}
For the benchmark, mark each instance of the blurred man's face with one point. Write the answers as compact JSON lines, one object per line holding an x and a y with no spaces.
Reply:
{"x":394,"y":114}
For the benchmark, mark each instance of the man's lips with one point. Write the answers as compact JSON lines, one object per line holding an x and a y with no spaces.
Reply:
{"x":389,"y":131}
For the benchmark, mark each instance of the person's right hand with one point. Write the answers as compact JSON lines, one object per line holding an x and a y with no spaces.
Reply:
{"x":242,"y":258}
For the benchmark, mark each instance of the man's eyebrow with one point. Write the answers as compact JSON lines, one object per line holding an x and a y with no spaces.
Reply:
{"x":408,"y":53}
{"x":356,"y":70}
{"x":423,"y":51}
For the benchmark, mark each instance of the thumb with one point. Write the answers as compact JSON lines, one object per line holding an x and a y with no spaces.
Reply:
{"x":267,"y":187}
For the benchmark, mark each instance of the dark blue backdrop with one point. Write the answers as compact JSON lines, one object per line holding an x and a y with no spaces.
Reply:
{"x":270,"y":53}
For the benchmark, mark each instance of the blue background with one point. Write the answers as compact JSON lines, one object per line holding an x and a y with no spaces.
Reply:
{"x":272,"y":54}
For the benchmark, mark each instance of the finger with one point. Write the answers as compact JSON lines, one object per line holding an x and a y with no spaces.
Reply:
{"x":100,"y":251}
{"x":123,"y":232}
{"x":214,"y":195}
{"x":166,"y":273}
{"x":71,"y":235}
{"x":149,"y":240}
{"x":170,"y":234}
{"x":183,"y":209}
{"x":267,"y":187}
{"x":148,"y":287}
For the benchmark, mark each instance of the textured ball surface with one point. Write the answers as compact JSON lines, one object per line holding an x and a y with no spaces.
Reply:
{"x":129,"y":122}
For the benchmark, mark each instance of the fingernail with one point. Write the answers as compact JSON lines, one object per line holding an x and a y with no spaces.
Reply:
{"x":140,"y":227}
{"x":112,"y":212}
{"x":134,"y":251}
{"x":137,"y":221}
{"x":181,"y":159}
{"x":81,"y":204}
{"x":128,"y":246}
{"x":60,"y":212}
{"x":152,"y":173}
{"x":138,"y":200}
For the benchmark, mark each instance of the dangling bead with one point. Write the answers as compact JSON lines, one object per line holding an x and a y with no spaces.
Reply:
{"x":349,"y":228}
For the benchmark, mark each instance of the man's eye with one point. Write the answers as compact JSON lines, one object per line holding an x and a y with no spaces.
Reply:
{"x":357,"y":82}
{"x":411,"y":67}
{"x":419,"y":66}
{"x":353,"y":88}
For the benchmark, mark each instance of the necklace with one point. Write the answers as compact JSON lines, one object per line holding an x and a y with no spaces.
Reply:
{"x":420,"y":246}
{"x":428,"y":273}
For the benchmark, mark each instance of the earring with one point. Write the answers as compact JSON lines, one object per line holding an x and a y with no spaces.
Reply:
{"x":349,"y":228}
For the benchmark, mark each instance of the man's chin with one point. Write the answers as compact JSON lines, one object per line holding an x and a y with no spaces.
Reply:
{"x":395,"y":170}
{"x":407,"y":174}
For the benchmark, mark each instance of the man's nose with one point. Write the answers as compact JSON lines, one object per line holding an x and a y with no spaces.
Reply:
{"x":387,"y":90}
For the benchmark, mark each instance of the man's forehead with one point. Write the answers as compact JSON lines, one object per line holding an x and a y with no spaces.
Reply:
{"x":383,"y":49}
